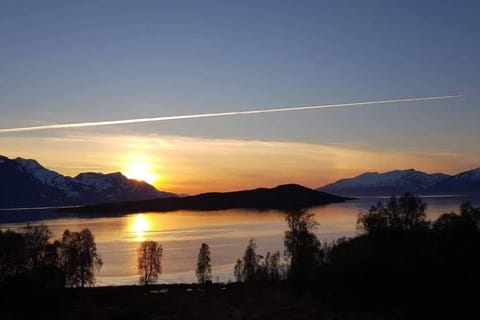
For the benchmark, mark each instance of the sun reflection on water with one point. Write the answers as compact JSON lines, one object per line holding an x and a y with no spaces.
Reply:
{"x":140,"y":226}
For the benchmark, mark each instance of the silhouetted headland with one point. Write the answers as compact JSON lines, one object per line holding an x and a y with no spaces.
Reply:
{"x":283,"y":197}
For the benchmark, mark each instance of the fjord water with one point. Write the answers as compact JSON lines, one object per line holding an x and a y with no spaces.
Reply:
{"x":182,"y":232}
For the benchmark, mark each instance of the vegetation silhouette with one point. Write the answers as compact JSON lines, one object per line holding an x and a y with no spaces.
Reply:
{"x":31,"y":252}
{"x":400,"y":261}
{"x":78,"y":257}
{"x":149,"y":261}
{"x":204,"y":266}
{"x":250,"y":262}
{"x":271,"y":268}
{"x":399,"y":265}
{"x":302,"y":246}
{"x":238,"y":270}
{"x":34,"y":270}
{"x":257,"y":268}
{"x":403,"y":214}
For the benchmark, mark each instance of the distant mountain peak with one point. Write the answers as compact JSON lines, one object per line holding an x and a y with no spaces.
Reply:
{"x":474,"y":174}
{"x":26,"y":183}
{"x":290,"y":187}
{"x":100,"y":175}
{"x":407,"y":180}
{"x":28,"y":163}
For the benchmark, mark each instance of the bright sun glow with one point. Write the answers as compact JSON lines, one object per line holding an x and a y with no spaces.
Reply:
{"x":140,"y":169}
{"x":140,"y":226}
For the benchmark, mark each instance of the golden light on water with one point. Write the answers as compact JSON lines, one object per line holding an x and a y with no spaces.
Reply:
{"x":140,"y":168}
{"x":193,"y":225}
{"x":140,"y":226}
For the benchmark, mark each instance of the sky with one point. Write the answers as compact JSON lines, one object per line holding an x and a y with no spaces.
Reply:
{"x":82,"y":61}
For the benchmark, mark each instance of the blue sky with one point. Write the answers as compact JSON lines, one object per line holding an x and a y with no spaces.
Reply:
{"x":75,"y":61}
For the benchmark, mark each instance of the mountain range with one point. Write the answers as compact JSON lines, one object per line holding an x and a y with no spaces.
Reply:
{"x":26,"y":183}
{"x":401,"y":181}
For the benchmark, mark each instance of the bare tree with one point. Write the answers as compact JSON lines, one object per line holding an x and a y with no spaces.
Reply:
{"x":36,"y":242}
{"x":302,"y":245}
{"x":272,"y":266}
{"x":149,"y":259}
{"x":238,"y":270}
{"x":78,"y":257}
{"x":204,"y":267}
{"x":255,"y":267}
{"x":250,"y":262}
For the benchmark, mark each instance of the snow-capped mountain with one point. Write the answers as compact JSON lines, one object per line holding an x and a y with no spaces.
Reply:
{"x":25,"y":183}
{"x":386,"y":184}
{"x":67,"y":185}
{"x":116,"y":186}
{"x":467,"y":182}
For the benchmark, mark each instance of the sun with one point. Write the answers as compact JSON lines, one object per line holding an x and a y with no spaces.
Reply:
{"x":140,"y":169}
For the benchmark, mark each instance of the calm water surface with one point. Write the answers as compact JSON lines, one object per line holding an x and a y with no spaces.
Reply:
{"x":182,"y":232}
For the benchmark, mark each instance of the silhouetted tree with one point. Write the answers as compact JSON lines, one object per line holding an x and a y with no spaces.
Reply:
{"x":21,"y":252}
{"x":302,"y":245}
{"x":401,"y":255}
{"x":466,"y":222}
{"x":255,"y":267}
{"x":273,"y":269}
{"x":250,"y":262}
{"x":149,"y":261}
{"x":405,"y":213}
{"x":12,"y":254}
{"x":457,"y":240}
{"x":38,"y":248}
{"x":263,"y":267}
{"x":469,"y":212}
{"x":204,"y":267}
{"x":269,"y":267}
{"x":238,"y":270}
{"x":449,"y":222}
{"x":78,"y":257}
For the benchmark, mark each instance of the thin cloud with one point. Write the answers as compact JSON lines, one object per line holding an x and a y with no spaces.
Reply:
{"x":191,"y":164}
{"x":219,"y":114}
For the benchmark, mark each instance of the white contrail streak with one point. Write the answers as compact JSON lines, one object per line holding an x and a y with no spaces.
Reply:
{"x":219,"y":114}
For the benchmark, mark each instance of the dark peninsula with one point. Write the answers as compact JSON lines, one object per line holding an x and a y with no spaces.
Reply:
{"x":283,"y":197}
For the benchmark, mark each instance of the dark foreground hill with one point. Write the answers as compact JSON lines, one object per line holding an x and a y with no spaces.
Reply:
{"x":284,"y":197}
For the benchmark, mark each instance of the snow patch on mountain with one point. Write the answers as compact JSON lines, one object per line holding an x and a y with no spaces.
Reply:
{"x":471,"y":175}
{"x":27,"y":183}
{"x":100,"y":181}
{"x":48,"y":177}
{"x":391,"y":178}
{"x":388,"y":183}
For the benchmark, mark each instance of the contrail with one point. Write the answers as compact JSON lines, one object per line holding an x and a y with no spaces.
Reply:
{"x":219,"y":114}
